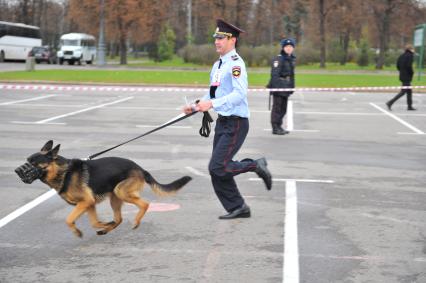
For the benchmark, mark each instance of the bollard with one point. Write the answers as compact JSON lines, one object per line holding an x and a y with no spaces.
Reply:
{"x":29,"y":64}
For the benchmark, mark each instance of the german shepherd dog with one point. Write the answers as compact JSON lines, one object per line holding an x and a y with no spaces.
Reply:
{"x":84,"y":183}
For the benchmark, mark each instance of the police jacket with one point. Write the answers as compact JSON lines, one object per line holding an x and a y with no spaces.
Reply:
{"x":405,"y":66}
{"x":282,"y":73}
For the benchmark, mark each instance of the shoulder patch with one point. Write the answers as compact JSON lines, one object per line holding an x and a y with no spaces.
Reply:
{"x":234,"y":57}
{"x":236,"y":71}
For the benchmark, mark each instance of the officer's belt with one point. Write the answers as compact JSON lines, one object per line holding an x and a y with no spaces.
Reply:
{"x":232,"y":117}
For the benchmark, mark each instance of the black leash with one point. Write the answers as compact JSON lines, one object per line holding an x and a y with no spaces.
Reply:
{"x":205,"y":125}
{"x":147,"y":133}
{"x":204,"y":130}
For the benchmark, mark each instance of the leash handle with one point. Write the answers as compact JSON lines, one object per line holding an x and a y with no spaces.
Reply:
{"x":175,"y":120}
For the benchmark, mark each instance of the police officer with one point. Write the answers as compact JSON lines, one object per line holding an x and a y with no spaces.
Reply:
{"x":404,"y":65}
{"x":228,"y":97}
{"x":282,"y":76}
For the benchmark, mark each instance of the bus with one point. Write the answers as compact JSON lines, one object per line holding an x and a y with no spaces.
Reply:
{"x":77,"y":47}
{"x":16,"y":40}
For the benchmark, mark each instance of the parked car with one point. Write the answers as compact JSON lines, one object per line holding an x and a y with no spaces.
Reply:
{"x":43,"y":54}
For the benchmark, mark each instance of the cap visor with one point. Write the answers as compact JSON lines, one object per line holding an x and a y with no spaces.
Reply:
{"x":219,"y":36}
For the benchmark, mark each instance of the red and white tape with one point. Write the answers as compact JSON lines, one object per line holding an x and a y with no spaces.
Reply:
{"x":55,"y":87}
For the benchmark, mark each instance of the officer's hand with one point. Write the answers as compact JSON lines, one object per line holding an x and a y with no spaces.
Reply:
{"x":204,"y":106}
{"x":187,"y":109}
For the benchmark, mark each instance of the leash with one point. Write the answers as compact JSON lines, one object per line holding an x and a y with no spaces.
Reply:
{"x":171,"y":122}
{"x":204,"y":130}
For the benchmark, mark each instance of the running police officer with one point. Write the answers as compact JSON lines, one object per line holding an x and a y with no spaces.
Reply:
{"x":282,"y":76}
{"x":228,"y":97}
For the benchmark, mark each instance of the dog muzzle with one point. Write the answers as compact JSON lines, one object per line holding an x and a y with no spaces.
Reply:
{"x":28,"y":173}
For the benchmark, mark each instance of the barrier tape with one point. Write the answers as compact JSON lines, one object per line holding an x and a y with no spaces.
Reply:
{"x":183,"y":89}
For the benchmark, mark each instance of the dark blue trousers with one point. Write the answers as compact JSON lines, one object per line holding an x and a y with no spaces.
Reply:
{"x":230,"y":133}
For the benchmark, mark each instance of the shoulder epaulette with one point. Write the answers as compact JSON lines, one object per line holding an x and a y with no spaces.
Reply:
{"x":234,"y":57}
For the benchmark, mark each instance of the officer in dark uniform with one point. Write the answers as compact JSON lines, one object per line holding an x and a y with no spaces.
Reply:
{"x":228,"y":97}
{"x":406,"y":72}
{"x":282,"y":76}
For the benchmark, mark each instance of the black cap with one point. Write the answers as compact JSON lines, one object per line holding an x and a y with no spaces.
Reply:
{"x":225,"y":29}
{"x":288,"y":41}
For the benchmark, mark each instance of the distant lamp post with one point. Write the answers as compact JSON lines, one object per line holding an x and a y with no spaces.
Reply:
{"x":101,"y":42}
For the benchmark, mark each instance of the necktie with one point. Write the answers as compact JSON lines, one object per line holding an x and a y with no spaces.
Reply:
{"x":213,"y":88}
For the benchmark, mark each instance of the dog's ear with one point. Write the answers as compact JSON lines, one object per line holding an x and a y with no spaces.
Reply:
{"x":47,"y":147}
{"x":55,"y":151}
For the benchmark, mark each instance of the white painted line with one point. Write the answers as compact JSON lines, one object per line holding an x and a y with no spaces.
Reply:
{"x":83,"y":110}
{"x":23,"y":122}
{"x":25,"y":100}
{"x":195,"y":171}
{"x":291,"y":243}
{"x":296,"y":180}
{"x":172,"y":127}
{"x":411,"y":127}
{"x":26,"y":207}
{"x":305,"y":131}
{"x":404,"y":133}
{"x":338,"y":113}
{"x":290,"y":120}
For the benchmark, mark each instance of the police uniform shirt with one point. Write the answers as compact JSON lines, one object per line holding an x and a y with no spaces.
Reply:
{"x":231,"y":81}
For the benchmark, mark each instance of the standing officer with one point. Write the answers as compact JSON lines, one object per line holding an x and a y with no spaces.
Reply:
{"x":228,"y":97}
{"x":282,"y":76}
{"x":406,"y":72}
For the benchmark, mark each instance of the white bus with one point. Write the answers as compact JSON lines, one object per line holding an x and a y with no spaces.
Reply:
{"x":16,"y":40}
{"x":77,"y":47}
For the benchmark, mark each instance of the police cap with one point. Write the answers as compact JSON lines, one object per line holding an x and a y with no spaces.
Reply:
{"x":288,"y":41}
{"x":224,"y":29}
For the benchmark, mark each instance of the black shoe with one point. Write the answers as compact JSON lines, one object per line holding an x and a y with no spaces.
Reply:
{"x":242,"y":212}
{"x":279,"y":131}
{"x":389,"y":105}
{"x":263,"y":172}
{"x":411,"y":108}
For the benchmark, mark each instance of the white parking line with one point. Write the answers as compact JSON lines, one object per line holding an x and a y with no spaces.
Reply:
{"x":25,"y":100}
{"x":195,"y":171}
{"x":291,"y":243}
{"x":78,"y":112}
{"x":296,"y":180}
{"x":171,"y":127}
{"x":290,"y":120}
{"x":304,"y":131}
{"x":411,"y":127}
{"x":26,"y":207}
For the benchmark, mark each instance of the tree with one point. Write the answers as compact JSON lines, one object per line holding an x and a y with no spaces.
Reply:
{"x":166,"y":44}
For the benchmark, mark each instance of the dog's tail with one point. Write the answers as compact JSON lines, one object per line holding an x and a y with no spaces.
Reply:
{"x":165,"y":189}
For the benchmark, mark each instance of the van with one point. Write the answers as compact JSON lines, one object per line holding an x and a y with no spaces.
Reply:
{"x":77,"y":47}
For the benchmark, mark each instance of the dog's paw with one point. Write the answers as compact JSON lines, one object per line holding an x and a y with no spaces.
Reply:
{"x":101,"y":232}
{"x":135,"y":226}
{"x":78,"y":233}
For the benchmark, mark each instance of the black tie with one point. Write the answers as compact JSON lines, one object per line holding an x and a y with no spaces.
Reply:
{"x":213,"y":88}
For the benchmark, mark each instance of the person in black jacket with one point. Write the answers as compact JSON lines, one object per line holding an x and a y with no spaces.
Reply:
{"x":282,"y":76}
{"x":405,"y":68}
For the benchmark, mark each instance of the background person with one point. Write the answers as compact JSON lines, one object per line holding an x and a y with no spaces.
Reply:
{"x":282,"y":76}
{"x":228,"y":97}
{"x":406,"y":72}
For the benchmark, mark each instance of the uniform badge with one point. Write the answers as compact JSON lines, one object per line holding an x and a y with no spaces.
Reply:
{"x":236,"y":71}
{"x":276,"y":64}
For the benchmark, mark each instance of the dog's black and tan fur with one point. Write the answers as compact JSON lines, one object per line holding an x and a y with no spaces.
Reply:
{"x":84,"y":183}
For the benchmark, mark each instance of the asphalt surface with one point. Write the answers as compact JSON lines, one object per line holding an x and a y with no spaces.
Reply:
{"x":357,"y":212}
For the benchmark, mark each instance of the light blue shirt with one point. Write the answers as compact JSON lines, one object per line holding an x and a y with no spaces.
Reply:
{"x":231,"y":93}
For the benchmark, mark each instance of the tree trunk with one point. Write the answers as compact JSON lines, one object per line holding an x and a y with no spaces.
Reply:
{"x":383,"y":38}
{"x":322,"y":33}
{"x":123,"y":49}
{"x":346,"y":39}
